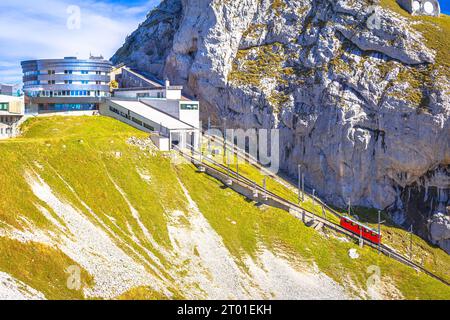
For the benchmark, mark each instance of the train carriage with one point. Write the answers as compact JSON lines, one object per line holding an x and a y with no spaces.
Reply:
{"x":361,"y":230}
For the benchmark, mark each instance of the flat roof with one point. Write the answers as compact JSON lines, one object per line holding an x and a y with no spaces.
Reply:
{"x":153,"y":114}
{"x":8,"y":98}
{"x":68,"y":60}
{"x":140,"y":89}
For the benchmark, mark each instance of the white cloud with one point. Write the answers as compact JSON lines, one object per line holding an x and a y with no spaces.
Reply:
{"x":38,"y":29}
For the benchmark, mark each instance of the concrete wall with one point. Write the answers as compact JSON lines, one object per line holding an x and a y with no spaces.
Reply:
{"x":16,"y":104}
{"x":17,"y":107}
{"x":162,"y":143}
{"x":171,"y":107}
{"x":173,"y":94}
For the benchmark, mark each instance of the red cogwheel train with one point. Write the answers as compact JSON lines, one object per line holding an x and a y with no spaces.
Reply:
{"x":361,"y":230}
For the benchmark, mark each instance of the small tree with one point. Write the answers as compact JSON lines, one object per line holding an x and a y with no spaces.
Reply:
{"x":113,"y":85}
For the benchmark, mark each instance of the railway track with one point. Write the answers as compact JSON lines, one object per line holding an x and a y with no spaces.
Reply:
{"x":250,"y":184}
{"x":245,"y":156}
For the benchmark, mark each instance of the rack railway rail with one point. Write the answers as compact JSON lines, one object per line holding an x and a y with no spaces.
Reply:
{"x":228,"y":174}
{"x":243,"y":155}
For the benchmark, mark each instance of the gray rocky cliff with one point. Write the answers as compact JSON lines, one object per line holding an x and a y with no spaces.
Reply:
{"x":359,"y":98}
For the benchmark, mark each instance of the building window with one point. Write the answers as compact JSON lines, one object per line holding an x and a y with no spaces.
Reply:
{"x":68,"y":107}
{"x":68,"y":71}
{"x":189,"y":106}
{"x":84,"y":72}
{"x":137,"y":121}
{"x":84,"y":82}
{"x":112,"y":109}
{"x":4,"y":106}
{"x":51,"y":81}
{"x":149,"y":127}
{"x":51,"y":72}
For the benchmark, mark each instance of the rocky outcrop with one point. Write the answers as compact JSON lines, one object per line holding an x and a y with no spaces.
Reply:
{"x":440,"y":230}
{"x":360,"y":100}
{"x":155,"y":38}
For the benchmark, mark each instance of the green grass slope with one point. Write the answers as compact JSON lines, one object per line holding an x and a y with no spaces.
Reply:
{"x":81,"y":158}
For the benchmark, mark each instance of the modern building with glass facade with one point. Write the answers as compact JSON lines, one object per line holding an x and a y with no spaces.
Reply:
{"x":65,"y":85}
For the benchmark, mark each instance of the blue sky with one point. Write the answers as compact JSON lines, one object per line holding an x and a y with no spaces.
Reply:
{"x":445,"y":6}
{"x":50,"y":29}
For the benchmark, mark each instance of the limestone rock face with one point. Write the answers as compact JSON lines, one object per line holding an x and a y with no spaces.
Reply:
{"x":440,"y":230}
{"x":147,"y":48}
{"x":440,"y":227}
{"x":356,"y":93}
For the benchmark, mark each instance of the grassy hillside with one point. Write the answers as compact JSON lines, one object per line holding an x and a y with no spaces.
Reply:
{"x":143,"y":204}
{"x":433,"y":258}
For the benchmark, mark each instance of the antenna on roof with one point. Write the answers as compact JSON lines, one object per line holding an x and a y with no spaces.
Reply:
{"x":92,"y":57}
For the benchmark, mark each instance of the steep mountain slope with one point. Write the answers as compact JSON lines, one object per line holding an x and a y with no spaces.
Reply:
{"x":359,"y":92}
{"x":88,"y":212}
